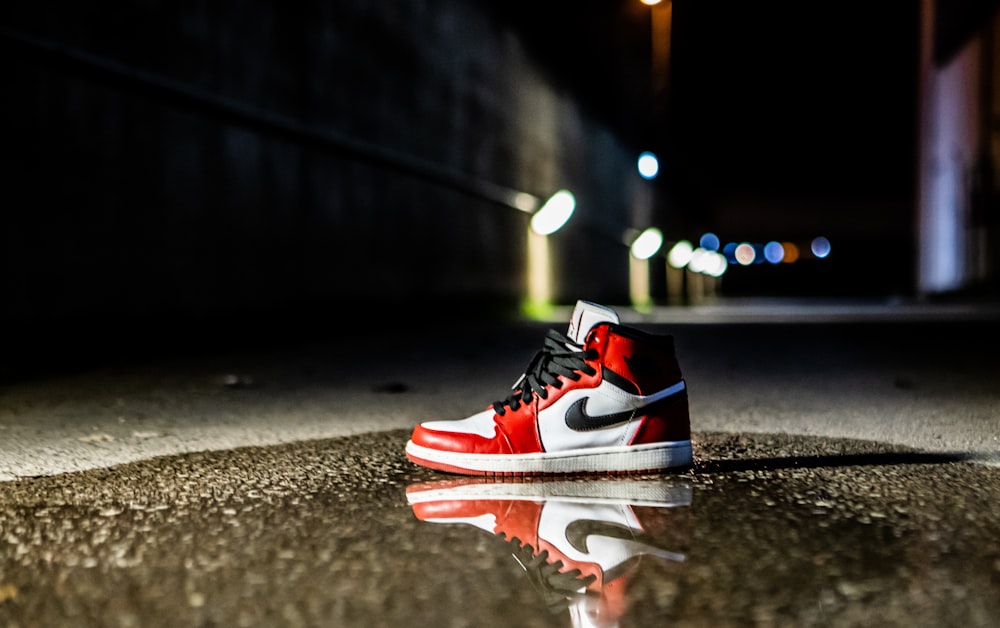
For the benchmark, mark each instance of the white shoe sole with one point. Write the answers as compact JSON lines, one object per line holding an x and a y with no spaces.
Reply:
{"x":629,"y":459}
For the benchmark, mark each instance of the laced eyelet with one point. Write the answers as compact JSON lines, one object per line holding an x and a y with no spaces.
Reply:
{"x":561,"y":359}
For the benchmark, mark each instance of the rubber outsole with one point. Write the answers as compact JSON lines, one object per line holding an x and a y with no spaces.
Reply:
{"x":630,"y":460}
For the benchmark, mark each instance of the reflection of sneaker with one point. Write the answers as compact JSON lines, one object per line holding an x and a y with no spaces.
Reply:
{"x":580,"y":543}
{"x":604,"y":399}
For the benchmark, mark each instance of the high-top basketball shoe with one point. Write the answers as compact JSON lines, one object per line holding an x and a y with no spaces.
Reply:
{"x":602,"y":399}
{"x":580,"y":543}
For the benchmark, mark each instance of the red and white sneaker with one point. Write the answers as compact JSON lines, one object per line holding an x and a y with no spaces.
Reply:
{"x":602,"y":399}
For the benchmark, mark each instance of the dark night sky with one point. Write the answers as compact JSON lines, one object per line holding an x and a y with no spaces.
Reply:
{"x":766,"y":98}
{"x":812,"y":98}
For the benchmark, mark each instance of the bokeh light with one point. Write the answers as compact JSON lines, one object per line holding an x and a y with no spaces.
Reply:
{"x":649,"y":165}
{"x":820,"y":247}
{"x":729,"y":251}
{"x":680,"y":254}
{"x":791,"y":252}
{"x":555,"y":213}
{"x":647,"y":244}
{"x":745,"y":254}
{"x":774,"y":252}
{"x":699,"y":260}
{"x":716,"y":264}
{"x":709,"y":242}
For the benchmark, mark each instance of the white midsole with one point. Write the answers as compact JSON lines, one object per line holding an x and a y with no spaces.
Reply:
{"x":594,"y":459}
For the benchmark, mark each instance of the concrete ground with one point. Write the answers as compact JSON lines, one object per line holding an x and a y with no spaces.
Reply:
{"x":846,"y":472}
{"x":921,"y":375}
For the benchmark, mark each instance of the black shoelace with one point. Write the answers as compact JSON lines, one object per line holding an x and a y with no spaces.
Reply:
{"x":559,"y":356}
{"x":547,"y":576}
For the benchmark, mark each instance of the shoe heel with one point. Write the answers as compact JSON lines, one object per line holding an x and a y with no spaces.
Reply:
{"x":667,"y":420}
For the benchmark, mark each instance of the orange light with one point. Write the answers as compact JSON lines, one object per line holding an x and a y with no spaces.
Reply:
{"x":650,"y":2}
{"x":791,"y":252}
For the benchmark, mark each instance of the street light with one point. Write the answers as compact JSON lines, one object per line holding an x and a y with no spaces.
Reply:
{"x":646,"y":245}
{"x":648,"y":165}
{"x":660,"y":19}
{"x":677,"y":260}
{"x":554,"y":214}
{"x":551,"y":217}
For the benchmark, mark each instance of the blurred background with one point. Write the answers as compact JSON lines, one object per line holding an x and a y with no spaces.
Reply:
{"x":241,"y":165}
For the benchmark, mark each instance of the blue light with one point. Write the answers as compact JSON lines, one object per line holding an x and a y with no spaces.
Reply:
{"x":709,"y":242}
{"x":774,"y":252}
{"x":820,"y":247}
{"x":730,"y":252}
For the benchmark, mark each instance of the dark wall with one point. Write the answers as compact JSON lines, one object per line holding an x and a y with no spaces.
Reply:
{"x":206,"y":158}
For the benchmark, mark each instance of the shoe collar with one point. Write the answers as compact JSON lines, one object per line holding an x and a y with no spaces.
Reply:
{"x":586,"y":316}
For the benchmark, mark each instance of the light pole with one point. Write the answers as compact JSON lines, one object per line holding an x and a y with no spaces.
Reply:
{"x":551,"y":217}
{"x":661,"y":19}
{"x":643,"y":247}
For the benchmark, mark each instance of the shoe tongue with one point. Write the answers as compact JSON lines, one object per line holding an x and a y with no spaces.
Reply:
{"x":585,"y":316}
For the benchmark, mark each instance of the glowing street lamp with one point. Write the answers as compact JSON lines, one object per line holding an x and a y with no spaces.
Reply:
{"x":554,"y":214}
{"x":648,"y":165}
{"x":646,"y":245}
{"x":680,"y":254}
{"x":551,"y":217}
{"x":677,"y":260}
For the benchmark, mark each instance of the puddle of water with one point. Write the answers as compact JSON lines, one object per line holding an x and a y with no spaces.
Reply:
{"x":579,"y":543}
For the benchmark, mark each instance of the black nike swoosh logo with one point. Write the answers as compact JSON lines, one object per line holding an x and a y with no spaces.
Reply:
{"x":578,"y":420}
{"x":634,"y":542}
{"x":579,"y":530}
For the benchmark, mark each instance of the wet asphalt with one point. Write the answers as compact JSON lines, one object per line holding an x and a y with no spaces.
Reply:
{"x":845,"y":475}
